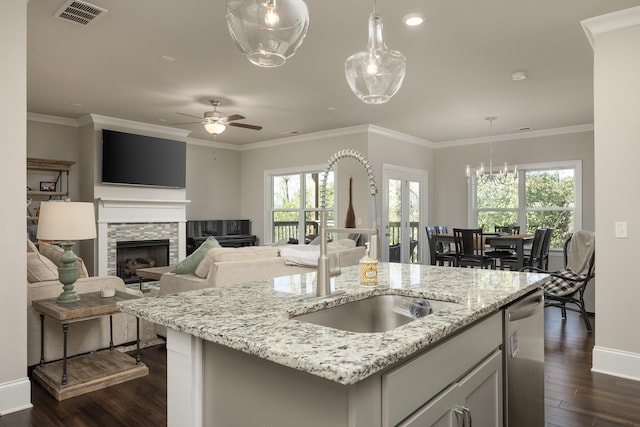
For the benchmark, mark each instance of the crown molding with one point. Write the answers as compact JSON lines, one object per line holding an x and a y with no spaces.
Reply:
{"x":516,"y":136}
{"x":306,"y":137}
{"x":130,"y":124}
{"x":410,"y":139}
{"x":610,"y":22}
{"x":213,"y":144}
{"x":336,"y":133}
{"x":54,"y":120}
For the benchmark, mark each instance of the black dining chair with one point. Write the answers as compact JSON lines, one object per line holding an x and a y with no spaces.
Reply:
{"x":567,"y":286}
{"x":543,"y":262}
{"x":439,"y":252}
{"x":503,"y":250}
{"x":532,"y":258}
{"x":469,"y":244}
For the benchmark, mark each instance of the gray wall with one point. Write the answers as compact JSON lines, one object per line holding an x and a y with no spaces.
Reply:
{"x":213,"y":183}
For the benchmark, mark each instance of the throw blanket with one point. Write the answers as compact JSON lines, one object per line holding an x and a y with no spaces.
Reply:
{"x":572,"y":277}
{"x":304,"y":255}
{"x":307,"y":255}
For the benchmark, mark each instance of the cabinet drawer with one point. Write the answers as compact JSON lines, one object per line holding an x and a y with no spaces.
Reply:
{"x":407,"y":387}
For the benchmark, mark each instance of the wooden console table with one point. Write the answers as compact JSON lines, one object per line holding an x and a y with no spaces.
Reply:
{"x":92,"y":371}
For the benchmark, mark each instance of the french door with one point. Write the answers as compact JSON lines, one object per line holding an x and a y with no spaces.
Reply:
{"x":404,"y":207}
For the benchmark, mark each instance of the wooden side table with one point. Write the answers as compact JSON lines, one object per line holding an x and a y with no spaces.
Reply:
{"x":92,"y":371}
{"x":154,"y":273}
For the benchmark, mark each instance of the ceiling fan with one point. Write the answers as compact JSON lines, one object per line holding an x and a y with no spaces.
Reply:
{"x":216,"y":122}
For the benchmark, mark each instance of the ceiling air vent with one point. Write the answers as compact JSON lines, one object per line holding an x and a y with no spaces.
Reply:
{"x":80,"y":12}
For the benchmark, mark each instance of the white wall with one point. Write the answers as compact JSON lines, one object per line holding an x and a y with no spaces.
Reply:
{"x":15,"y":388}
{"x":617,"y":151}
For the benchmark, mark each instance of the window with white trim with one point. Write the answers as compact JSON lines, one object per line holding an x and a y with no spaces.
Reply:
{"x":294,"y":205}
{"x":546,"y":195}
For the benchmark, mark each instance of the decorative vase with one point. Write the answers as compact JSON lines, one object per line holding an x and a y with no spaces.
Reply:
{"x":351,"y":216}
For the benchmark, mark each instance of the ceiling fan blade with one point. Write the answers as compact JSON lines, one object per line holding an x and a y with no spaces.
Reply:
{"x":232,"y":118}
{"x":244,"y":125}
{"x":189,"y":115}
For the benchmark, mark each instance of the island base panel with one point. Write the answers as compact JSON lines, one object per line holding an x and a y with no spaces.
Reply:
{"x":245,"y":391}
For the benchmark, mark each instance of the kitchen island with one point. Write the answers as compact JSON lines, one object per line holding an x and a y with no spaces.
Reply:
{"x":235,"y":356}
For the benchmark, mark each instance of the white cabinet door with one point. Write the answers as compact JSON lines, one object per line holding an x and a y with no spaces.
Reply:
{"x":438,"y":412}
{"x":475,"y":400}
{"x":482,"y":393}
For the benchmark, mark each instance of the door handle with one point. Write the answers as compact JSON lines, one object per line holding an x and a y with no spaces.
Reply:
{"x":459,"y":417}
{"x":463,"y":414}
{"x":527,"y":310}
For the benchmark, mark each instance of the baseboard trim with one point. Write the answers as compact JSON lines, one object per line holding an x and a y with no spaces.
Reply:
{"x":618,"y":363}
{"x":15,"y":396}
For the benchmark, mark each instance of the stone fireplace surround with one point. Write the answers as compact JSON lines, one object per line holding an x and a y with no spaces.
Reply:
{"x":143,"y":219}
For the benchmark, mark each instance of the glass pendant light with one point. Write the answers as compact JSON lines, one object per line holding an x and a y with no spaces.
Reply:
{"x":268,"y":31}
{"x":376,"y":73}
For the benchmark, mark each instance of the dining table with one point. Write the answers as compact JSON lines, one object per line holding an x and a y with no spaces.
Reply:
{"x":517,"y":241}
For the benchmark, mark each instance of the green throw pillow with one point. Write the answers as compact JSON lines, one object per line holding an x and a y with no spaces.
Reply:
{"x":190,"y":263}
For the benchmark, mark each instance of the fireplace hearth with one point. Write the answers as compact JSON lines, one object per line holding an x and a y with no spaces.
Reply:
{"x":136,"y":254}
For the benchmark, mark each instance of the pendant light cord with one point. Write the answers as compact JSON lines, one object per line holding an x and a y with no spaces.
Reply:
{"x":374,"y":6}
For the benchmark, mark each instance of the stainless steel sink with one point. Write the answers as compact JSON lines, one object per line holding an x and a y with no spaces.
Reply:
{"x":379,"y":313}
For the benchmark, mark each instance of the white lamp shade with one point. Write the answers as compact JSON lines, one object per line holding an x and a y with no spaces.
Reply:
{"x":268,"y":32}
{"x":215,"y":128}
{"x":66,"y":221}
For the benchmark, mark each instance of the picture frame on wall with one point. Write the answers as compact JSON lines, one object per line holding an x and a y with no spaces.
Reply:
{"x":47,"y":186}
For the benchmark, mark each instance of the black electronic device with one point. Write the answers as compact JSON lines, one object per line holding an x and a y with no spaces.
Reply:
{"x":142,"y":160}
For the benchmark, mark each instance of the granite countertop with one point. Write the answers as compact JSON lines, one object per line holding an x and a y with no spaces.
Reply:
{"x":255,"y":317}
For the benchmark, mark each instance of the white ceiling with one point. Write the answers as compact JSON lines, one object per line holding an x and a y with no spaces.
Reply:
{"x":459,"y":66}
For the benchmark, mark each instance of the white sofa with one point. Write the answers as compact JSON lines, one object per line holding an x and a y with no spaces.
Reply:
{"x":83,"y":336}
{"x":229,"y":266}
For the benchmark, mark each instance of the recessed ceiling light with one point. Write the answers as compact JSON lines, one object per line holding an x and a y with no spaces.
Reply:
{"x":519,"y":75}
{"x":331,"y":108}
{"x":76,"y":104}
{"x":167,"y":58}
{"x":413,"y":19}
{"x":162,"y":120}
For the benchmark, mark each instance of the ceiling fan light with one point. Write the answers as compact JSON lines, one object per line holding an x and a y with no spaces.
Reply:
{"x":267,"y":32}
{"x":215,"y":128}
{"x":375,"y":74}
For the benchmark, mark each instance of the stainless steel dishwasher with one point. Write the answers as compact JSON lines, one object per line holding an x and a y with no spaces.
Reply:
{"x":524,"y":361}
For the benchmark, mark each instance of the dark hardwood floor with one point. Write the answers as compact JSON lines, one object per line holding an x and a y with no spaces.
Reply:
{"x":575,"y":397}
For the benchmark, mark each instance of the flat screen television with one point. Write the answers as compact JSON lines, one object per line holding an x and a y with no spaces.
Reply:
{"x":142,"y":160}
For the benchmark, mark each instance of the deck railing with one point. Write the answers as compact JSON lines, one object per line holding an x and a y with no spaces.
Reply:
{"x":290,"y":230}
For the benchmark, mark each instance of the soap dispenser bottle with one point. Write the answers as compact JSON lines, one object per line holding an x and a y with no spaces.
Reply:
{"x":368,"y":270}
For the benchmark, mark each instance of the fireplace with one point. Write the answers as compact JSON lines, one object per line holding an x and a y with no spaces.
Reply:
{"x":134,"y":254}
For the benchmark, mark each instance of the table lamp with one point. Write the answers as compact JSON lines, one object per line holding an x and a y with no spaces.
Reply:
{"x":66,"y":221}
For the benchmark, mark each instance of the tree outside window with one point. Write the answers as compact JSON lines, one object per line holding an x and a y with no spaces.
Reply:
{"x":295,"y":209}
{"x":542,"y":197}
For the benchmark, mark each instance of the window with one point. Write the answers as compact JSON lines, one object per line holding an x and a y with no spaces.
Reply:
{"x":294,"y":205}
{"x":544,"y":196}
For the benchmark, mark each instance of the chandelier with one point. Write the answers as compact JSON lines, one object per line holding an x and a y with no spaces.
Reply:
{"x":481,"y":175}
{"x":268,"y":32}
{"x":376,"y":73}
